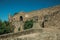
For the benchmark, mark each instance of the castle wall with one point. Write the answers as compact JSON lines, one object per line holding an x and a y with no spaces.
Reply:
{"x":53,"y":21}
{"x":41,"y":14}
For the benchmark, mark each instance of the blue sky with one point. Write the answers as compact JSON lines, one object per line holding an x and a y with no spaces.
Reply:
{"x":12,"y":6}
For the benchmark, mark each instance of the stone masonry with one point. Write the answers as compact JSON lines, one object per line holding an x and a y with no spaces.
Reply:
{"x":45,"y":18}
{"x":46,"y":26}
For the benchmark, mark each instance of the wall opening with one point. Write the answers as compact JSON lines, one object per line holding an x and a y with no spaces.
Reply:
{"x":43,"y":24}
{"x":21,"y":18}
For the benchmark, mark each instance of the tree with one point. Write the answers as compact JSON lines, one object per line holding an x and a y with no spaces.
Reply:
{"x":5,"y":27}
{"x":0,"y":22}
{"x":28,"y":24}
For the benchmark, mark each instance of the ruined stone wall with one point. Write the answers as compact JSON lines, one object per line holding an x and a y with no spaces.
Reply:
{"x":53,"y":20}
{"x":51,"y":12}
{"x":33,"y":34}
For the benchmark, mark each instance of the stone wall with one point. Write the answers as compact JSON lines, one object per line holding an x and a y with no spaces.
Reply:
{"x":53,"y":20}
{"x":33,"y":34}
{"x":38,"y":14}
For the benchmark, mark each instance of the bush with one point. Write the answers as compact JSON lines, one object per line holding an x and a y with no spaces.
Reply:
{"x":28,"y":24}
{"x":5,"y":27}
{"x":19,"y":29}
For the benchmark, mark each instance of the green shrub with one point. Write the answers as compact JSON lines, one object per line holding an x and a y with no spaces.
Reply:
{"x":5,"y":27}
{"x":28,"y":24}
{"x":19,"y":29}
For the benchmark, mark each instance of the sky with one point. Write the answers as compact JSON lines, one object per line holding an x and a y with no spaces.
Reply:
{"x":13,"y":6}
